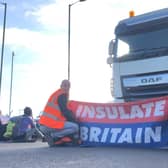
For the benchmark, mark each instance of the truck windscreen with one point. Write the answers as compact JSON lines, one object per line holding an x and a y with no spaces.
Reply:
{"x":145,"y":42}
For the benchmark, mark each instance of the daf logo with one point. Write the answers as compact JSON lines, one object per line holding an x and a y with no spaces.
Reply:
{"x":151,"y":80}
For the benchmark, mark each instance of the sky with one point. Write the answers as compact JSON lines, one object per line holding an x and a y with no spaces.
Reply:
{"x":37,"y":32}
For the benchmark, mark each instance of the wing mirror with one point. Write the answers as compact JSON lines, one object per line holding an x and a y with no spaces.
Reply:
{"x":111,"y":52}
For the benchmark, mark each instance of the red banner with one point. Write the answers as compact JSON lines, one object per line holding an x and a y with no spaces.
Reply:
{"x":140,"y":111}
{"x":138,"y":124}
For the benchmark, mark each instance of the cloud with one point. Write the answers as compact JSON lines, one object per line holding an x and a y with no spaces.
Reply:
{"x":49,"y":58}
{"x":52,"y":16}
{"x":38,"y":42}
{"x":29,"y":39}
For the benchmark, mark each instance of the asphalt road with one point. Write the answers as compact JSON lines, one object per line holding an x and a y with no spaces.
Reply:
{"x":39,"y":155}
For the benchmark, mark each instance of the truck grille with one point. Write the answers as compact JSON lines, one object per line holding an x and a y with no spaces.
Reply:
{"x":144,"y":86}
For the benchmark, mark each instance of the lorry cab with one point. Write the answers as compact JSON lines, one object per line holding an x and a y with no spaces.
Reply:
{"x":138,"y":57}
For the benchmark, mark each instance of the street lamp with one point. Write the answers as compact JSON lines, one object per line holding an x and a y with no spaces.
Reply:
{"x":11,"y":84}
{"x":3,"y":42}
{"x":69,"y":34}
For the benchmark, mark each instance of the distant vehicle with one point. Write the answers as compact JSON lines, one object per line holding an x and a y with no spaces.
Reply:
{"x":138,"y":57}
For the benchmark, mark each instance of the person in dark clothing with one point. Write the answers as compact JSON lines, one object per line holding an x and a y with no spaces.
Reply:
{"x":3,"y":124}
{"x":2,"y":131}
{"x":24,"y":127}
{"x":57,"y":122}
{"x":62,"y":102}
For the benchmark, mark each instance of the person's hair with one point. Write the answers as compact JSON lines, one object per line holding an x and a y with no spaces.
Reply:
{"x":28,"y":111}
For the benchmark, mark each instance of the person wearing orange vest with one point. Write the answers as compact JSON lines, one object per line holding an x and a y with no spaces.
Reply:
{"x":57,"y":122}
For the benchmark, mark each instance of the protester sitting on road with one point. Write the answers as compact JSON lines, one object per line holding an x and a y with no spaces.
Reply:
{"x":3,"y":124}
{"x":3,"y":118}
{"x":22,"y":128}
{"x":57,"y":122}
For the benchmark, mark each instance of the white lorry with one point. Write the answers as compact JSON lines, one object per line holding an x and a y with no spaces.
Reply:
{"x":138,"y":57}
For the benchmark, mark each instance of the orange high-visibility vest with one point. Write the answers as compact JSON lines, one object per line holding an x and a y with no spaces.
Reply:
{"x":52,"y":116}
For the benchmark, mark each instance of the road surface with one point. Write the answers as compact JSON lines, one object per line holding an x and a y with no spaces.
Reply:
{"x":39,"y":155}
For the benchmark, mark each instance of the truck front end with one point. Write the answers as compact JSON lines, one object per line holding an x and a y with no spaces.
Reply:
{"x":139,"y":57}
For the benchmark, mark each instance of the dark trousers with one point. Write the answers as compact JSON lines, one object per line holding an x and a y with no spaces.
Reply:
{"x":2,"y":131}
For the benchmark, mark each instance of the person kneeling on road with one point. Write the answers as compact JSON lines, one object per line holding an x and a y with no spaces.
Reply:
{"x":57,"y":122}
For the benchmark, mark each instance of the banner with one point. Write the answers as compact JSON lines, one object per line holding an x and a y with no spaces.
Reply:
{"x":135,"y":124}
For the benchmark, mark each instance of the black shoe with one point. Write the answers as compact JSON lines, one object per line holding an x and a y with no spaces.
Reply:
{"x":43,"y":139}
{"x":49,"y":140}
{"x":52,"y":141}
